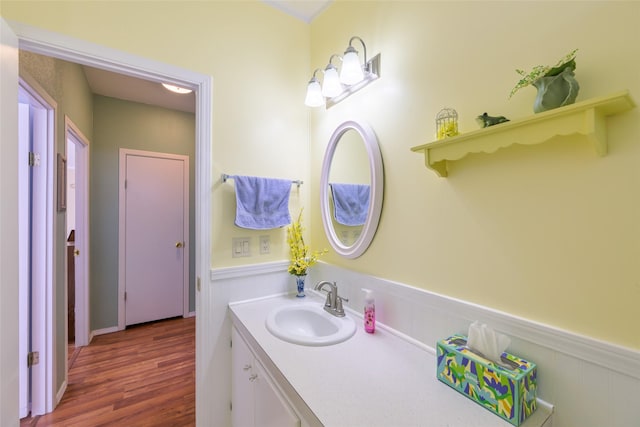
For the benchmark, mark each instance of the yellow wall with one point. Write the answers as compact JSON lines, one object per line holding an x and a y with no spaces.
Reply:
{"x":550,"y":232}
{"x":259,"y":59}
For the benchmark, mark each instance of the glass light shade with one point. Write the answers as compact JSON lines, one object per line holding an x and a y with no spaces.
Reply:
{"x":314,"y":96}
{"x":331,"y":85}
{"x":351,"y":71}
{"x":176,"y":89}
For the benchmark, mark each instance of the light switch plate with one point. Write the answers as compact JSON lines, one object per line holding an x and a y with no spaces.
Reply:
{"x":240,"y":247}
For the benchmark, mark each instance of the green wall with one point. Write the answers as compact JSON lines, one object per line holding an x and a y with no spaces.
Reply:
{"x":66,"y":84}
{"x":122,"y":124}
{"x":109,"y":124}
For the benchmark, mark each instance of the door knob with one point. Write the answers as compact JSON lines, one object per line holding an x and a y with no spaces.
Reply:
{"x":76,"y":252}
{"x":179,"y":244}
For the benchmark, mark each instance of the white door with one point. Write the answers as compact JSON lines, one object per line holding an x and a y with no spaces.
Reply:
{"x":24,"y":254}
{"x":155,"y":235}
{"x":78,"y":217}
{"x":35,"y":247}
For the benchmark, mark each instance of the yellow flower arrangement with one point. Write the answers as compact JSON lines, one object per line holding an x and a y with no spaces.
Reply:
{"x":301,"y":258}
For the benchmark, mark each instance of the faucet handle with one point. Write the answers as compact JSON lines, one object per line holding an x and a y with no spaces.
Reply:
{"x":327,"y":302}
{"x":339,"y":308}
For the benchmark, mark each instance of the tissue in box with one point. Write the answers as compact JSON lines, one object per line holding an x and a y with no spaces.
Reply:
{"x":511,"y":394}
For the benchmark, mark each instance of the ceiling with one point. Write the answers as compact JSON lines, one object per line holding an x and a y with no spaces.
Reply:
{"x":301,"y":9}
{"x":134,"y":89}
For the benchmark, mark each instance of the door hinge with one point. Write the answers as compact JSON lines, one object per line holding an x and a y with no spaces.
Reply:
{"x":33,"y":358}
{"x":198,"y":284}
{"x":34,"y":159}
{"x":125,"y":184}
{"x":125,"y":296}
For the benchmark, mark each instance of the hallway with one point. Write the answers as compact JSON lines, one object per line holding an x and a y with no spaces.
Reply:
{"x":142,"y":376}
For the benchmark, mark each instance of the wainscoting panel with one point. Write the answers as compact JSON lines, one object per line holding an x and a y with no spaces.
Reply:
{"x":589,"y":382}
{"x":213,"y":328}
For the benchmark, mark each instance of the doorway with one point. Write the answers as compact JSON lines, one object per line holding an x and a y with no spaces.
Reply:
{"x":77,"y":234}
{"x":81,"y":52}
{"x":153,"y":236}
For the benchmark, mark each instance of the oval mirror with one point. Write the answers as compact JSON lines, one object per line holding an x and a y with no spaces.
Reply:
{"x":351,"y":188}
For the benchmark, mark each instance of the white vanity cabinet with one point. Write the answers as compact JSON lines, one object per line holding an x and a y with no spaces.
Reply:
{"x":255,"y":399}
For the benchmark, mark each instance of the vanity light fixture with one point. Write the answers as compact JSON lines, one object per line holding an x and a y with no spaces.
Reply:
{"x":331,"y":85}
{"x":314,"y":96}
{"x":176,"y":89}
{"x":351,"y":72}
{"x":353,"y":76}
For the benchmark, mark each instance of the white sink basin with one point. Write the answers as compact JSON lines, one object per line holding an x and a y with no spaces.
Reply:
{"x":308,"y":324}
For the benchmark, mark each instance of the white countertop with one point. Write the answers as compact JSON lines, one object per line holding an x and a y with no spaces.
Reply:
{"x":369,"y":380}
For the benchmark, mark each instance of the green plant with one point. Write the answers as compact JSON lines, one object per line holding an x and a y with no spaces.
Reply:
{"x":539,"y":71}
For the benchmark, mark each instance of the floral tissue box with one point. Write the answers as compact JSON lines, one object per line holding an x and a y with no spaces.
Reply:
{"x":508,"y":390}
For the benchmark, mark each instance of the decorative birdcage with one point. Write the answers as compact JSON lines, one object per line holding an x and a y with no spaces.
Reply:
{"x":446,"y":123}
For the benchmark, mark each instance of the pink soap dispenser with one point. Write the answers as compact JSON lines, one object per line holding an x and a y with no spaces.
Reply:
{"x":369,"y":312}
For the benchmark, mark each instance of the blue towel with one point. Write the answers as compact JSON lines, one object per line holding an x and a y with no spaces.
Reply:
{"x":262,"y":203}
{"x":350,"y":203}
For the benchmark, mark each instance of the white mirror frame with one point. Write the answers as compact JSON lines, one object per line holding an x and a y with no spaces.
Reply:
{"x":376,"y":191}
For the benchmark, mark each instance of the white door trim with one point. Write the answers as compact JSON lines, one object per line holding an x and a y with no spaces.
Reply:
{"x":24,"y":251}
{"x":124,"y":152}
{"x":82,"y":166}
{"x":43,"y":311}
{"x":9,"y":235}
{"x":75,"y":50}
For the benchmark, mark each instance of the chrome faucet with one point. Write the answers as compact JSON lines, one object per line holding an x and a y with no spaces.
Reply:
{"x":333,"y":304}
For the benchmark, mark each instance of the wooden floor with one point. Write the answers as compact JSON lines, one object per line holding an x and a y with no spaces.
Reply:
{"x":142,"y":376}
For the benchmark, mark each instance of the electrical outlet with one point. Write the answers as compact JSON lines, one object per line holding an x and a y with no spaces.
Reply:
{"x":240,"y":247}
{"x":265,"y":244}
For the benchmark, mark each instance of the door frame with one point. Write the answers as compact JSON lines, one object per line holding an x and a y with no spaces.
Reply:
{"x":43,"y":292}
{"x":24,"y":253}
{"x":64,"y":47}
{"x":9,"y":232}
{"x":82,"y":167}
{"x":124,"y":152}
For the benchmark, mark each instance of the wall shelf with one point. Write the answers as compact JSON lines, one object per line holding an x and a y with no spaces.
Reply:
{"x":586,"y":118}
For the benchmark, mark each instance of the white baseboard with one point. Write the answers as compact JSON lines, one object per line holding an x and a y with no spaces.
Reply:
{"x":60,"y":392}
{"x":102,"y":332}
